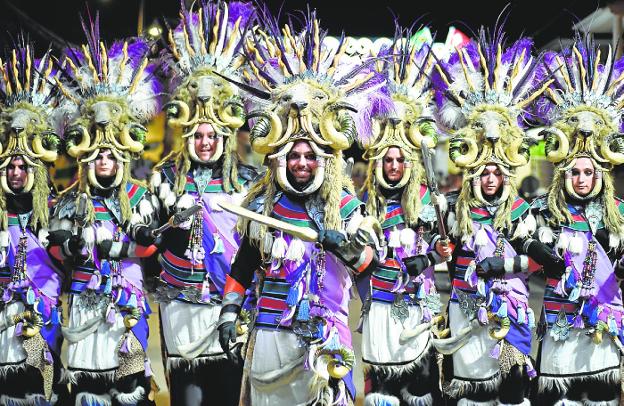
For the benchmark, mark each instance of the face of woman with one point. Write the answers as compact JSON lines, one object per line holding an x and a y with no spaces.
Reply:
{"x":206,"y":142}
{"x":491,"y":180}
{"x":583,"y":176}
{"x":105,"y":164}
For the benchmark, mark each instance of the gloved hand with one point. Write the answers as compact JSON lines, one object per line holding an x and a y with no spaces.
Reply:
{"x":491,"y":267}
{"x":58,"y":237}
{"x":416,"y":264}
{"x":227,"y":336}
{"x":143,"y":236}
{"x":331,"y":240}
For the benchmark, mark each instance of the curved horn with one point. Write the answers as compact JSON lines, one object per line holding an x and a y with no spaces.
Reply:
{"x":232,"y":114}
{"x":517,"y":153}
{"x":448,"y":346}
{"x":265,"y":131}
{"x":407,"y":334}
{"x":342,"y":137}
{"x":130,"y":143}
{"x":502,"y":331}
{"x":557,"y":145}
{"x":340,"y":368}
{"x":463,"y":151}
{"x":178,"y":114}
{"x":30,"y":179}
{"x":416,"y":137}
{"x":47,"y":155}
{"x":615,"y":157}
{"x":75,"y":150}
{"x":4,"y":184}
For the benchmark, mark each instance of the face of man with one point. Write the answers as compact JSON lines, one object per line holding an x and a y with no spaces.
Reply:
{"x":301,"y":162}
{"x":491,"y":180}
{"x":583,"y":178}
{"x":206,"y":142}
{"x":105,"y":164}
{"x":17,"y":174}
{"x":393,"y":165}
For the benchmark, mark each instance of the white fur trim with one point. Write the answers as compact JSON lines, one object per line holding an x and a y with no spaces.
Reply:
{"x":164,"y":190}
{"x":468,"y":402}
{"x":43,"y":237}
{"x":103,"y":234}
{"x":145,"y":208}
{"x":129,"y":399}
{"x":407,"y":236}
{"x":566,"y":402}
{"x":88,"y":235}
{"x":91,"y":398}
{"x":563,"y":242}
{"x":411,"y":400}
{"x":531,"y":224}
{"x":395,"y":239}
{"x":156,"y":180}
{"x":169,"y":200}
{"x":545,"y":235}
{"x":587,"y":402}
{"x":522,"y":230}
{"x":136,"y":218}
{"x":185,"y":202}
{"x":354,"y":223}
{"x":481,"y":237}
{"x":525,"y":402}
{"x":575,"y":245}
{"x":378,"y":399}
{"x":29,"y":400}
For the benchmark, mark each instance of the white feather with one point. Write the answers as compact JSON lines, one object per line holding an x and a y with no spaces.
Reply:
{"x":156,"y":180}
{"x":481,"y":238}
{"x":88,"y":235}
{"x":575,"y":246}
{"x":145,"y":208}
{"x":43,"y":237}
{"x":164,"y":190}
{"x":545,"y":235}
{"x":103,"y":234}
{"x":185,"y":202}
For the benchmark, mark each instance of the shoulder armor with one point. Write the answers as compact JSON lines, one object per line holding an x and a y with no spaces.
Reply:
{"x":540,"y":203}
{"x":66,"y":206}
{"x":247,"y":172}
{"x":451,"y":199}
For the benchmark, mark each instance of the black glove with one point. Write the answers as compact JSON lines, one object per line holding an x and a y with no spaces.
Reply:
{"x":227,"y":335}
{"x":104,"y":248}
{"x":491,"y":267}
{"x":58,"y":237}
{"x":541,"y":253}
{"x":75,"y":244}
{"x":143,"y":236}
{"x":331,"y":240}
{"x":416,"y":264}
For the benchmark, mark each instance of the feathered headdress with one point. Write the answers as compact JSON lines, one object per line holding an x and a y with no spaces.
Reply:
{"x":401,"y":116}
{"x":29,"y":104}
{"x":206,"y":44}
{"x":582,"y":108}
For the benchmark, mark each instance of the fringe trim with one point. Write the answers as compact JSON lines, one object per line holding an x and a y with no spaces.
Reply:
{"x":614,"y":402}
{"x":458,"y":388}
{"x":468,"y":402}
{"x":379,"y":399}
{"x":412,"y":400}
{"x":128,"y":399}
{"x":566,"y":402}
{"x":93,"y":399}
{"x":29,"y":400}
{"x":563,"y":384}
{"x":7,"y":370}
{"x":72,"y":377}
{"x":192,"y":364}
{"x":525,"y":402}
{"x":397,"y":371}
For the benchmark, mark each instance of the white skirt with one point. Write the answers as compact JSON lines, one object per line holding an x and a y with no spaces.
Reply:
{"x":381,"y":332}
{"x":277,"y":376}
{"x":562,"y":362}
{"x":11,"y":351}
{"x":99,"y":350}
{"x":472,"y":361}
{"x":190,"y":330}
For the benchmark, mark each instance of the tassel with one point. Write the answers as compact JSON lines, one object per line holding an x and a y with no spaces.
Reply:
{"x":560,"y":288}
{"x":105,"y":268}
{"x":126,"y":345}
{"x":55,"y":317}
{"x":593,"y":319}
{"x":481,"y":238}
{"x":333,"y":341}
{"x":496,"y":351}
{"x":148,"y":368}
{"x":205,"y":292}
{"x":502,"y":310}
{"x":30,"y":296}
{"x":304,"y":310}
{"x":481,"y":287}
{"x":94,"y":281}
{"x":576,"y":245}
{"x":421,"y":291}
{"x":521,"y":318}
{"x":394,"y":240}
{"x":4,"y":239}
{"x":426,"y":314}
{"x":103,"y":234}
{"x":482,"y":315}
{"x":170,"y":199}
{"x":545,"y":235}
{"x":407,"y":237}
{"x":294,"y":294}
{"x":185,"y":202}
{"x":47,"y":356}
{"x":575,"y":294}
{"x":132,"y":302}
{"x":354,"y":223}
{"x":296,"y":250}
{"x":279,"y":247}
{"x":155,"y":180}
{"x":88,"y":235}
{"x":43,"y":237}
{"x":145,"y":208}
{"x":614,"y":240}
{"x":522,"y":231}
{"x":110,"y":314}
{"x":135,"y":218}
{"x":531,"y":224}
{"x":164,"y":191}
{"x":7,"y":295}
{"x":219,"y":247}
{"x":471,"y":274}
{"x":18,"y":329}
{"x":613,"y":328}
{"x":530,"y":370}
{"x":577,"y":322}
{"x":267,"y":242}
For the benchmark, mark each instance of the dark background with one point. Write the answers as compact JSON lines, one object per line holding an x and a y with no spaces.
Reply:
{"x":543,"y":20}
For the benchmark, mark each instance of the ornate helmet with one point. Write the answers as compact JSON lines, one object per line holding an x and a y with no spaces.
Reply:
{"x":401,"y":116}
{"x":484,"y":91}
{"x":308,"y":90}
{"x":114,"y":92}
{"x":582,"y":108}
{"x":204,"y":47}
